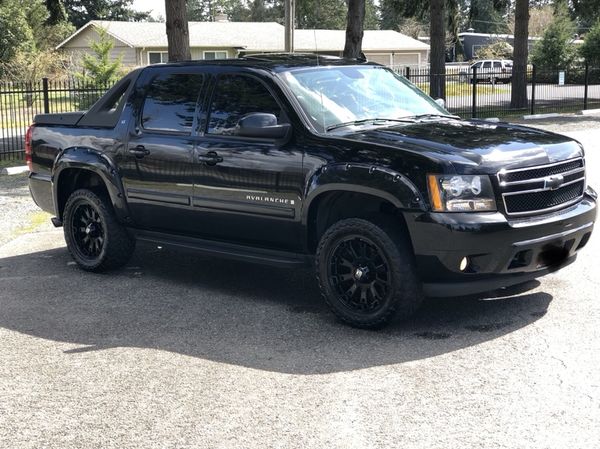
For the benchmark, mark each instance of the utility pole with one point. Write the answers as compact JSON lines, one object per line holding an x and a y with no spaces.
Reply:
{"x":290,"y":15}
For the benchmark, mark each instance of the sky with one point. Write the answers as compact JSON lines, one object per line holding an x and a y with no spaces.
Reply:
{"x":157,"y":6}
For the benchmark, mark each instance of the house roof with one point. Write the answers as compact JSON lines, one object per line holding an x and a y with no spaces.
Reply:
{"x":373,"y":40}
{"x":249,"y":36}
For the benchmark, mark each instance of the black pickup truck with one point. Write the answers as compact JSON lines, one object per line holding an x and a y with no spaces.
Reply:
{"x":297,"y":159}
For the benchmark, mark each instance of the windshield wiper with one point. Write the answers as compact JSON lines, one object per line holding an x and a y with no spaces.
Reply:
{"x":421,"y":116}
{"x":369,"y":120}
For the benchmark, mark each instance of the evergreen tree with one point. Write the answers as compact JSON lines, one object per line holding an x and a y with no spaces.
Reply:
{"x":487,"y":16}
{"x":56,"y":12}
{"x":555,"y":50}
{"x":15,"y":32}
{"x":81,"y":12}
{"x":590,"y":50}
{"x":98,"y":70}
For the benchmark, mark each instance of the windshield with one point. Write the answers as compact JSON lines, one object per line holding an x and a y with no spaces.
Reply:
{"x":333,"y":96}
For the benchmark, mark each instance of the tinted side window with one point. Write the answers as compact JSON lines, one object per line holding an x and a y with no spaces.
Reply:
{"x":487,"y":65}
{"x":236,"y":96}
{"x":497,"y":65}
{"x":170,"y":102}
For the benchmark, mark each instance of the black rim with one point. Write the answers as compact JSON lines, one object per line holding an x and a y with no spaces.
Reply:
{"x":88,"y":231}
{"x":359,"y":274}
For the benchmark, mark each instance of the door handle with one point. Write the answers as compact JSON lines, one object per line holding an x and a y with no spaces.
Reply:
{"x":140,"y":151}
{"x":210,"y":158}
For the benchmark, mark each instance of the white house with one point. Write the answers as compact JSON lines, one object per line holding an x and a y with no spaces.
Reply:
{"x":142,"y":43}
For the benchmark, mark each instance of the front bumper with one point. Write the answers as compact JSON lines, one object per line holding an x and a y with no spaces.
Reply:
{"x":501,"y":252}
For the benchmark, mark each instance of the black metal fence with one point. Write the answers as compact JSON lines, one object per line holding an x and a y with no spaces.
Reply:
{"x":487,"y":93}
{"x":20,"y":102}
{"x":469,"y":93}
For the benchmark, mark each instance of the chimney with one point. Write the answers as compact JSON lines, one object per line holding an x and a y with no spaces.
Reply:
{"x":220,"y":16}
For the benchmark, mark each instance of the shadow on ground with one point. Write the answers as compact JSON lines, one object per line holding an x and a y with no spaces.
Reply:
{"x":241,"y":314}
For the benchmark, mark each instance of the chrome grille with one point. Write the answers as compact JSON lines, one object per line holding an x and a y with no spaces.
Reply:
{"x":543,"y":188}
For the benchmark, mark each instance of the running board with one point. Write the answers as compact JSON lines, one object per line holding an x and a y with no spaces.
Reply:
{"x":226,"y":250}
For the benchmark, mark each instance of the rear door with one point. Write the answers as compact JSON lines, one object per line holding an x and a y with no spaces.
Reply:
{"x":250,"y":191}
{"x":157,"y":165}
{"x":486,"y":70}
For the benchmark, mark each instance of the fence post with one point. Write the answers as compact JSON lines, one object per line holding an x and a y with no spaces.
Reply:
{"x":474,"y":103}
{"x":407,"y":72}
{"x":532,"y":88}
{"x":45,"y":94}
{"x":585,"y":89}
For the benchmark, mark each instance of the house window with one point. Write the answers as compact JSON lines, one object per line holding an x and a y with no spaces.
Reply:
{"x":215,"y":55}
{"x":155,"y":57}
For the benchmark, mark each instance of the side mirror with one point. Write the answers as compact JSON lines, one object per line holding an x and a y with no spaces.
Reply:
{"x":440,"y":102}
{"x":261,"y":125}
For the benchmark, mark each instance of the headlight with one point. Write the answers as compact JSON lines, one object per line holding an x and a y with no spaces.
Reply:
{"x":461,"y":193}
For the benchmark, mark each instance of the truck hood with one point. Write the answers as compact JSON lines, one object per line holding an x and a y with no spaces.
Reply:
{"x":474,"y":146}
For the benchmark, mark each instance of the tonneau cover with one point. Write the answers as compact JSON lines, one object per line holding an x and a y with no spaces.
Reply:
{"x":65,"y":118}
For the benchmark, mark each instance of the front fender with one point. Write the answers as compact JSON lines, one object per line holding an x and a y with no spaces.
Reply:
{"x":95,"y":161}
{"x":374,"y":180}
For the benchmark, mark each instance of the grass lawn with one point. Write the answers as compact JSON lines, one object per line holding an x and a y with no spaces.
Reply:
{"x":455,"y":89}
{"x":11,"y":163}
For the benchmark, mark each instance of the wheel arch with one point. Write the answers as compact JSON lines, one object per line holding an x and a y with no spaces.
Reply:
{"x":338,"y":201}
{"x":80,"y":167}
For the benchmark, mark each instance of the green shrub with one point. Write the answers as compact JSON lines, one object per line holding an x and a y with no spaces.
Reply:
{"x":590,"y":49}
{"x":556,"y":49}
{"x":98,"y":71}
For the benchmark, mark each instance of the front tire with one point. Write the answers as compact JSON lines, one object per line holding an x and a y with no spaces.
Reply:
{"x":366,"y":273}
{"x":95,"y":238}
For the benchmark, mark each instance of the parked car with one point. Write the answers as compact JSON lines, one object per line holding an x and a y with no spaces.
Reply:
{"x":492,"y":70}
{"x":292,"y":160}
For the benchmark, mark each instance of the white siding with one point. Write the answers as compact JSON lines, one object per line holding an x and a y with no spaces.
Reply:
{"x":379,"y":58}
{"x":80,"y":44}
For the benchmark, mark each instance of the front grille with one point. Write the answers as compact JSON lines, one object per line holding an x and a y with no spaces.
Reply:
{"x":535,"y":189}
{"x":536,"y":201}
{"x":541,"y":172}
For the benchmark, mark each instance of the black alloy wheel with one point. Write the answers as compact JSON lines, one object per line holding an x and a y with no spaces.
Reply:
{"x":359,"y":273}
{"x":366,"y":273}
{"x":94,"y":236}
{"x":88,"y":230}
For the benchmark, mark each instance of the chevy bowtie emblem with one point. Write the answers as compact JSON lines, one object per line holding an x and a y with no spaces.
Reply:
{"x":553,"y":182}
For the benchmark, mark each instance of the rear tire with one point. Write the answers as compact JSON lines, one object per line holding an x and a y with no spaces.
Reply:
{"x":95,"y":238}
{"x":366,"y":272}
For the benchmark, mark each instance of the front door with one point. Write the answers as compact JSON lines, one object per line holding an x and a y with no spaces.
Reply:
{"x":157,"y":164}
{"x":246,"y":190}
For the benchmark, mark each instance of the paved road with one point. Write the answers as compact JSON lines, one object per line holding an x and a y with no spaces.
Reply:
{"x":181,"y":351}
{"x":547,"y":97}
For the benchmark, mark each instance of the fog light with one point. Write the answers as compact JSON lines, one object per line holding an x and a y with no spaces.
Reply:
{"x":464,"y":263}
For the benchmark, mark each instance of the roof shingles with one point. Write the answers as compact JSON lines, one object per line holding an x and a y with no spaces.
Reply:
{"x":251,"y":36}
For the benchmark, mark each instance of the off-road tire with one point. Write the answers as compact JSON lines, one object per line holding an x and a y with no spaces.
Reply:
{"x":405,"y":295}
{"x":117,"y":244}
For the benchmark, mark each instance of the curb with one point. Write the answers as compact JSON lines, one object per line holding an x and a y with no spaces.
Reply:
{"x":542,"y":116}
{"x":590,"y":112}
{"x":14,"y":170}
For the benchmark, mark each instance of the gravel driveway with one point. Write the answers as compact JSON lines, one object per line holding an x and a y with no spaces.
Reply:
{"x":19,"y":213}
{"x":182,"y":351}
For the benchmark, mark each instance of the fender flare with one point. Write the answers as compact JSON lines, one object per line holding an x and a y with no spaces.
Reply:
{"x":82,"y":158}
{"x":377,"y":181}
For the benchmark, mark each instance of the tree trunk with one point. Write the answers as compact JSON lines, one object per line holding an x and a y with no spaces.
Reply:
{"x":518,"y":96}
{"x":178,"y":35}
{"x":437,"y":56}
{"x":354,"y":29}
